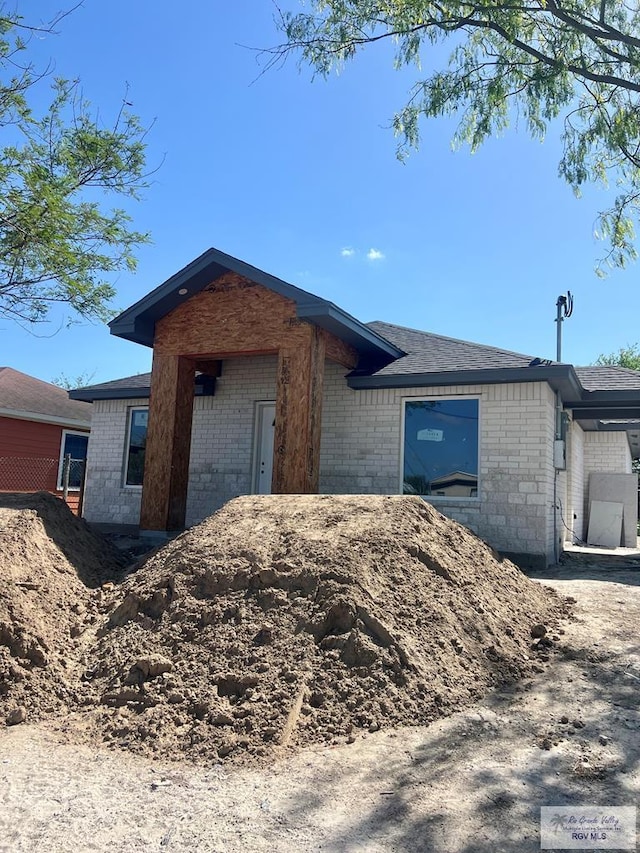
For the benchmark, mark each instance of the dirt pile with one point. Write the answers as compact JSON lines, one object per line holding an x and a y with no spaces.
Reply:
{"x":293,"y":620}
{"x":49,"y":561}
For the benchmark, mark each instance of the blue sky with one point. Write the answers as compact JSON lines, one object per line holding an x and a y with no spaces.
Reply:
{"x":299,"y":177}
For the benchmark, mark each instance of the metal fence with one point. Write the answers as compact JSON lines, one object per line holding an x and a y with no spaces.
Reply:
{"x":29,"y":474}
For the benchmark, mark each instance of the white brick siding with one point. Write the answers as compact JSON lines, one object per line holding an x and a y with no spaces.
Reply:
{"x":607,"y":452}
{"x":360,"y":453}
{"x":221,"y":460}
{"x":574,"y":505}
{"x":361,"y":438}
{"x":221,"y":446}
{"x":106,"y":500}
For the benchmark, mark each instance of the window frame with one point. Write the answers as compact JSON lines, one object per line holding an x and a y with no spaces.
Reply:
{"x":63,"y":438}
{"x":441,"y":499}
{"x":127,"y":446}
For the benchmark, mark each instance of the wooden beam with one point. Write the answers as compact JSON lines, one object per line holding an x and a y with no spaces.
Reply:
{"x":340,"y":352}
{"x":166,"y":468}
{"x":296,"y":464}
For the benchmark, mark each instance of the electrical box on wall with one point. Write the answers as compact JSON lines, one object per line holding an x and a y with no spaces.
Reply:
{"x":559,"y":455}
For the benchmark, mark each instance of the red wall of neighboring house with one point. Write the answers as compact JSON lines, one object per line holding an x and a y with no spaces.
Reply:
{"x":29,"y":457}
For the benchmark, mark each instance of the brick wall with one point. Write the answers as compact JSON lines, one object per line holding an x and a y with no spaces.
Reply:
{"x":221,"y":446}
{"x":360,"y":452}
{"x":361,"y":438}
{"x":576,"y":497}
{"x":221,"y":461}
{"x":106,"y":499}
{"x":607,"y":452}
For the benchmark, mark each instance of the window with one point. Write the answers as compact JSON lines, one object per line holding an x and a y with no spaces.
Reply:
{"x":75,"y":445}
{"x":137,"y":441}
{"x":440,"y":448}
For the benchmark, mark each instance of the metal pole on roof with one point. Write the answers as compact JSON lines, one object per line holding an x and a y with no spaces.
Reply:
{"x":564,"y":308}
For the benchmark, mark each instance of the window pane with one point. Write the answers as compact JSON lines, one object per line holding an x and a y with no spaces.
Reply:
{"x":76,"y":445}
{"x":441,"y":448}
{"x":137,"y":443}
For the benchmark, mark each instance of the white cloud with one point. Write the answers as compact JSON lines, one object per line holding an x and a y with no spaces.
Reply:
{"x":348,"y":252}
{"x":375,"y":255}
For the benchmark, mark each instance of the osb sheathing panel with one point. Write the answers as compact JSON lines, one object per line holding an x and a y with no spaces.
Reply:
{"x":234,"y":316}
{"x":231,"y":315}
{"x":166,"y":470}
{"x":296,"y":464}
{"x":336,"y":350}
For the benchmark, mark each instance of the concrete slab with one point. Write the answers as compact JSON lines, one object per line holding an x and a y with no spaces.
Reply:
{"x":596,"y":550}
{"x":618,"y":488}
{"x":605,"y":524}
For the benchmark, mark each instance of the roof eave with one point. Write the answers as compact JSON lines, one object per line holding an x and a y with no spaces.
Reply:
{"x":89,"y":396}
{"x":328,"y":316}
{"x":202,"y":388}
{"x":40,"y":417}
{"x":591,"y":398}
{"x":561,"y":377}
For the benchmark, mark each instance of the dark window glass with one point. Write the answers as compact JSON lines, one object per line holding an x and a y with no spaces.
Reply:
{"x":76,"y":446}
{"x":137,"y":443}
{"x":441,"y":448}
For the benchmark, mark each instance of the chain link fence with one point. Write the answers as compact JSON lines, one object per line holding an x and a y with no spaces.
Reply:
{"x":40,"y":474}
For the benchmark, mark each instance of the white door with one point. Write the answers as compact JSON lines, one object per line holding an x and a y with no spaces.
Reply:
{"x":266,"y":422}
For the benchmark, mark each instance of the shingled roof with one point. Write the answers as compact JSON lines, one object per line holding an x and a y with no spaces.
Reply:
{"x":24,"y":396}
{"x":431,"y":359}
{"x":133,"y":387}
{"x":608,"y":378}
{"x":127,"y":388}
{"x":429,"y":353}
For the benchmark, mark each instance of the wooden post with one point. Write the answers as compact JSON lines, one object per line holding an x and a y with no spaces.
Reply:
{"x":296,"y":468}
{"x":166,"y":467}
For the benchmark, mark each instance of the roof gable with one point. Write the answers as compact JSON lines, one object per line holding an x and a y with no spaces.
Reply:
{"x":138,"y":322}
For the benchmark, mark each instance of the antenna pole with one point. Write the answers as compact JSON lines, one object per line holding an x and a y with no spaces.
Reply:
{"x":564,"y":308}
{"x":559,"y":319}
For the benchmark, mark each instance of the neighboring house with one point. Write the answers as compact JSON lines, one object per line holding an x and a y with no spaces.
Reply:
{"x":39,"y":425}
{"x":258,"y":386}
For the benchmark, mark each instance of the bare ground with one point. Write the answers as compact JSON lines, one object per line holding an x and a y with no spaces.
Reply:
{"x":279,"y":622}
{"x":470,"y":783}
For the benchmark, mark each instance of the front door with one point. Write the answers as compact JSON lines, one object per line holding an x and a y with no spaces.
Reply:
{"x":266,"y":422}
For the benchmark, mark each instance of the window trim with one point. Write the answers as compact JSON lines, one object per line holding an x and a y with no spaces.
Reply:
{"x":127,"y":446}
{"x":441,"y":499}
{"x":63,"y":437}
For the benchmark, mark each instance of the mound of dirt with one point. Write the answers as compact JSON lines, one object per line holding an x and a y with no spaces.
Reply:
{"x":49,"y":561}
{"x":292,"y":620}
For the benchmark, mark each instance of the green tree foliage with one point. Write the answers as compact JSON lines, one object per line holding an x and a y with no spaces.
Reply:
{"x":59,"y":243}
{"x":628,"y":356}
{"x":534,"y":59}
{"x":69,"y":383}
